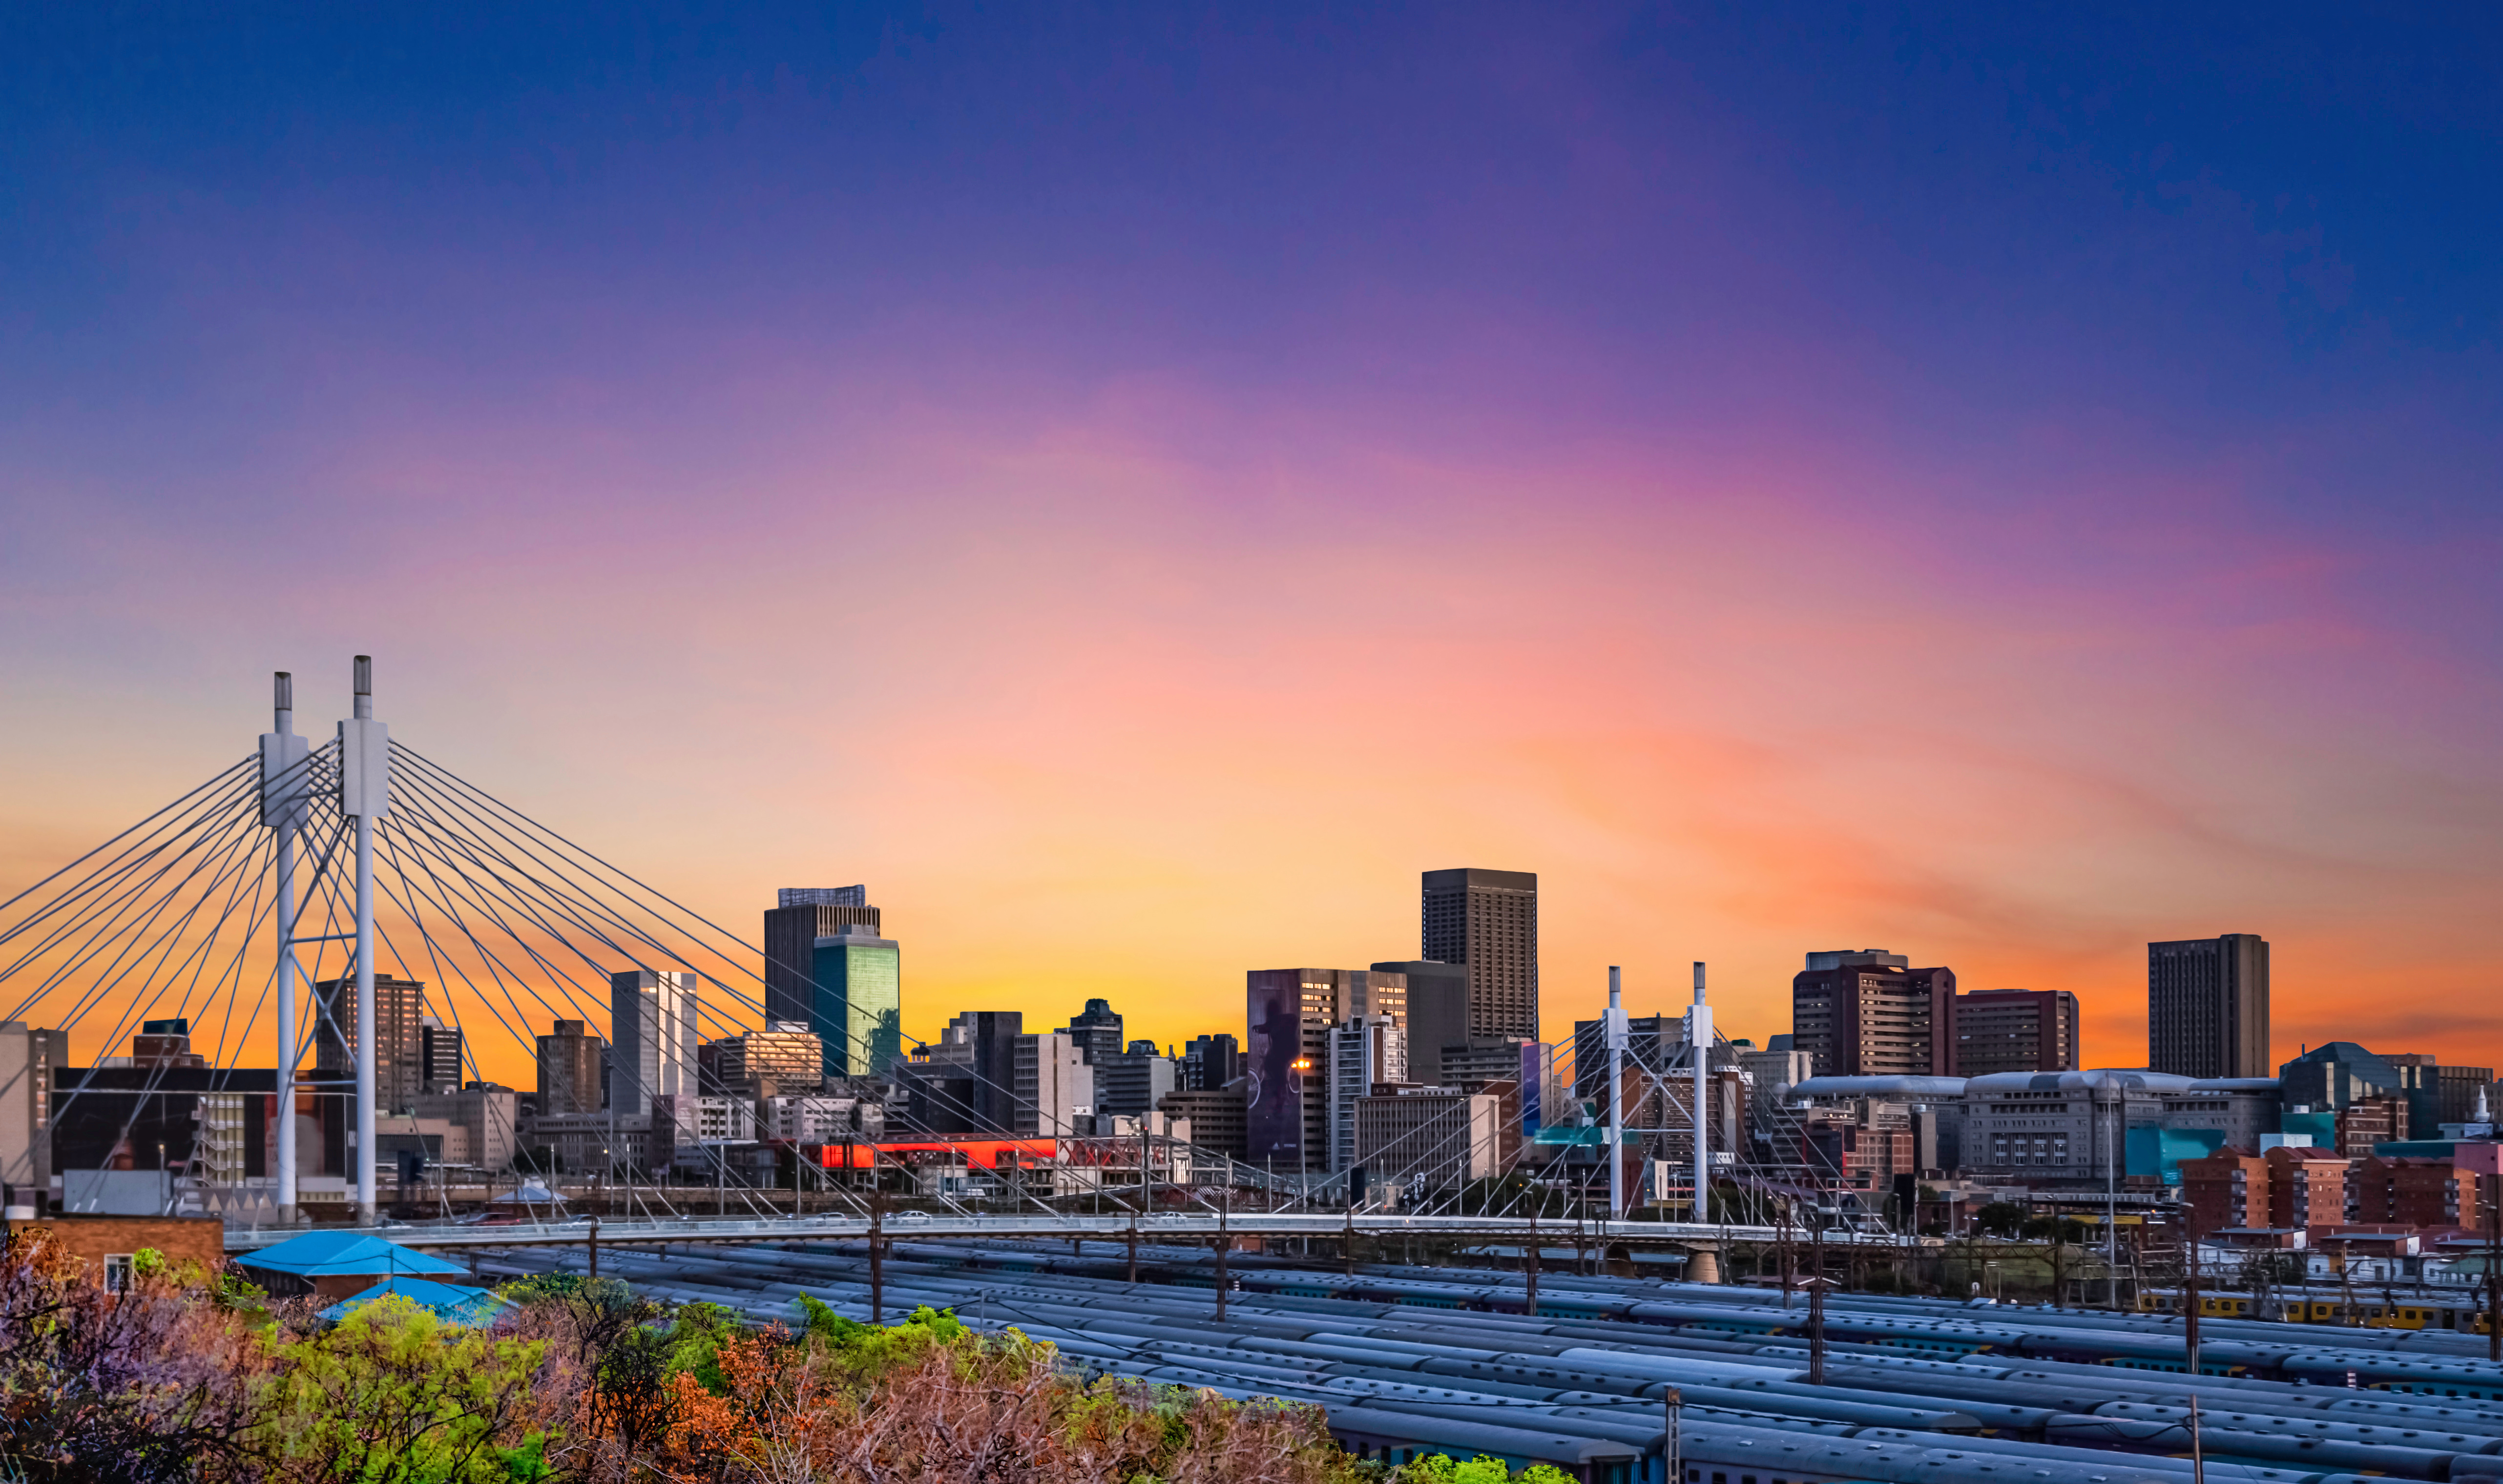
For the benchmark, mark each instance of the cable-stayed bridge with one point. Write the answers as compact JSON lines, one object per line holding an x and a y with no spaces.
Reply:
{"x":263,"y":908}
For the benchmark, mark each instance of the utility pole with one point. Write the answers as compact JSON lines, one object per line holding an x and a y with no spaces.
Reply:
{"x":1529,"y":1258}
{"x":1346,"y":1244}
{"x":2190,"y":1287}
{"x":1816,"y":1287}
{"x":2494,"y":1264}
{"x":594,"y":1242}
{"x":285,"y":798}
{"x":877,"y":1254}
{"x":2198,"y":1456}
{"x":1223,"y":1241}
{"x":365,"y":796}
{"x":1134,"y":1246}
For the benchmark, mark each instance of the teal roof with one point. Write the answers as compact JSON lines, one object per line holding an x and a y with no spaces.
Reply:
{"x":451,"y":1302}
{"x":343,"y":1254}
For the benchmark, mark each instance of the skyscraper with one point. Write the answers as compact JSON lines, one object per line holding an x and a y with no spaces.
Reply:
{"x":438,"y":1056}
{"x":1289,"y":1013}
{"x":1487,"y":920}
{"x":653,"y":1038}
{"x":1097,"y":1030}
{"x":1865,"y":1013}
{"x":1438,"y":1013}
{"x":2208,"y":1006}
{"x":569,"y":1070}
{"x":2012,"y":1030}
{"x":827,"y":968}
{"x":400,"y":1005}
{"x":1210,"y":1062}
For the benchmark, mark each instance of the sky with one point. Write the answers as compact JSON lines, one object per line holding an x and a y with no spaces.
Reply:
{"x":1134,"y":485}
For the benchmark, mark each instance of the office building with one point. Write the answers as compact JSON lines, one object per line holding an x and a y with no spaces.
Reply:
{"x":1290,"y":1013}
{"x":2208,"y":1006}
{"x":1364,"y":1053}
{"x":799,"y":917}
{"x":1427,"y":1139}
{"x":1477,"y":1062}
{"x":652,"y":1037}
{"x":127,"y":1117}
{"x":1215,"y":1116}
{"x":784,"y":1059}
{"x":965,"y":1081}
{"x":28,"y":1059}
{"x":570,"y":1058}
{"x":488,"y":1117}
{"x":858,"y":1012}
{"x":1771,"y":1074}
{"x":820,"y":1120}
{"x":1052,"y":1085}
{"x":2012,"y":1030}
{"x":2067,"y":1130}
{"x":399,"y":1009}
{"x":1097,"y":1030}
{"x":2457,"y":1088}
{"x":2367,"y":1122}
{"x":438,"y":1056}
{"x":164,"y":1043}
{"x":1438,"y":1013}
{"x":685,"y":1120}
{"x":1867,"y":1013}
{"x":1487,"y":923}
{"x":1134,"y":1081}
{"x":827,"y":968}
{"x":1209,"y":1062}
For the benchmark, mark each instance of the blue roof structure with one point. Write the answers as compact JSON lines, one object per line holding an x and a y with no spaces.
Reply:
{"x":344,"y":1254}
{"x":449,"y":1300}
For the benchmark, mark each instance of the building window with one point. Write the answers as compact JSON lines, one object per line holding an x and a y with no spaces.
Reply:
{"x":116,"y":1271}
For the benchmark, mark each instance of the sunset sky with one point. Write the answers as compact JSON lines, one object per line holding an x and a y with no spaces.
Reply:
{"x":1136,"y":485}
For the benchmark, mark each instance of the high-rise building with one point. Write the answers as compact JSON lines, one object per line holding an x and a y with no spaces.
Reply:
{"x":400,"y":1005}
{"x":1097,"y":1030}
{"x":2460,"y":1087}
{"x":1133,"y":1081}
{"x":653,"y":1038}
{"x":2012,"y":1030}
{"x":826,"y":966}
{"x":858,"y":1011}
{"x":1365,"y":1050}
{"x":1208,"y":1062}
{"x":1487,"y":922}
{"x":569,"y":1062}
{"x":1867,"y":1013}
{"x":1051,"y":1085}
{"x":1290,"y":1013}
{"x":965,"y":1082}
{"x":2208,"y":1006}
{"x":438,"y":1056}
{"x":1438,"y":1014}
{"x":785,"y":1059}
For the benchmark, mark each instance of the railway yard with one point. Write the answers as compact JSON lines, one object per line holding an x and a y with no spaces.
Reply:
{"x":1410,"y":1360}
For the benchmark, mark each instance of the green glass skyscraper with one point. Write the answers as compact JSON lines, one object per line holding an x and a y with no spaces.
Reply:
{"x":856,"y":1003}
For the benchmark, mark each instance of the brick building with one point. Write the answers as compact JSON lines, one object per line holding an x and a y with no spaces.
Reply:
{"x":2307,"y":1187}
{"x":2228,"y":1189}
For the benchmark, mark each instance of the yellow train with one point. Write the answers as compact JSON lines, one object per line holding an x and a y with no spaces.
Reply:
{"x":2315,"y":1304}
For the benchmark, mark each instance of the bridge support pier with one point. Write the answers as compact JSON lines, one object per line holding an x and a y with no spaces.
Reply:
{"x":1702,"y":1265}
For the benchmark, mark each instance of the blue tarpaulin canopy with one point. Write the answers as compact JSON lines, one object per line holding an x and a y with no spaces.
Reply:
{"x":343,"y":1254}
{"x":451,"y":1302}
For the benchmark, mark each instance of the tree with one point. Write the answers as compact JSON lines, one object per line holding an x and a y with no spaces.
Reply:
{"x":394,"y":1394}
{"x":2000,"y":1218}
{"x":151,"y":1383}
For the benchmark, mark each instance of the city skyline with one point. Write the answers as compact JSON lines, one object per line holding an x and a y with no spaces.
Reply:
{"x":2012,"y":491}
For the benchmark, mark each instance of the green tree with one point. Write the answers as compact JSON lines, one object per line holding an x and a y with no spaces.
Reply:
{"x":394,"y":1394}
